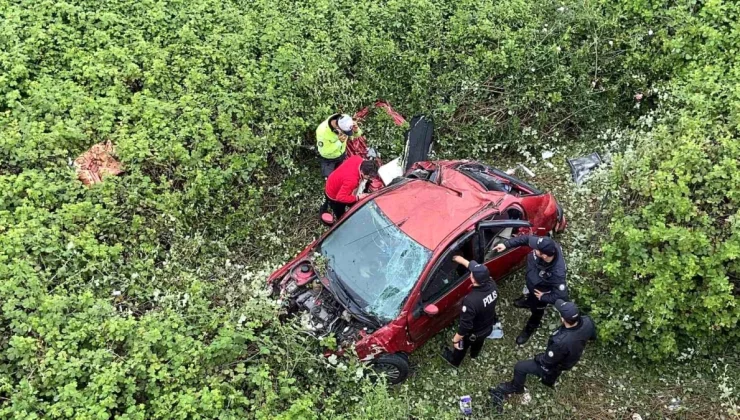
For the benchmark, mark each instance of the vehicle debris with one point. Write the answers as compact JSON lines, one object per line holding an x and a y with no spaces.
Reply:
{"x":96,"y":163}
{"x":580,"y":167}
{"x":526,"y":170}
{"x":526,"y":398}
{"x":497,"y":332}
{"x":466,"y":407}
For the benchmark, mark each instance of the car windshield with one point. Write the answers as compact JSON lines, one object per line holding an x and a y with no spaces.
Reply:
{"x":375,"y":260}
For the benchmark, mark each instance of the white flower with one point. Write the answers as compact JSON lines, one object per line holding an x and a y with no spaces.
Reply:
{"x":558,"y":49}
{"x":561,"y":9}
{"x":116,"y":293}
{"x":611,"y":43}
{"x":650,"y":32}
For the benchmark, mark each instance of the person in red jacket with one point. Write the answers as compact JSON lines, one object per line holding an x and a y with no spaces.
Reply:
{"x":341,"y":186}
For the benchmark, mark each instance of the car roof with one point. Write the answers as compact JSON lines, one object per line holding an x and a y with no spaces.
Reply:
{"x":428,"y":212}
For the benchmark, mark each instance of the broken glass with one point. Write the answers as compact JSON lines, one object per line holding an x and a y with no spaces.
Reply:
{"x":376,"y":261}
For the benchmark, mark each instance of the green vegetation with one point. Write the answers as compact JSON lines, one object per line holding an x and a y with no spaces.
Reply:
{"x":671,"y":259}
{"x":141,"y":297}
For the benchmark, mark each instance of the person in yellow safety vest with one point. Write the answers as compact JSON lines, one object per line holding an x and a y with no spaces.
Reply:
{"x":331,"y":141}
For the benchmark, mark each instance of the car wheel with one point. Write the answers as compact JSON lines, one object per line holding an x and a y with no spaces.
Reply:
{"x":395,"y":367}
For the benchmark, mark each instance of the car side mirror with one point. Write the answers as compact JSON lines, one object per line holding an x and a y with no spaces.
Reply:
{"x":431,"y":310}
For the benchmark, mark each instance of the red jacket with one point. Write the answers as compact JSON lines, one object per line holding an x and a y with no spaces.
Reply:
{"x":344,"y":180}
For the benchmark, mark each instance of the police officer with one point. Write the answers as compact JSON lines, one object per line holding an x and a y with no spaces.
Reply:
{"x":564,"y":350}
{"x":478,"y":314}
{"x":331,"y":141}
{"x":545,"y":278}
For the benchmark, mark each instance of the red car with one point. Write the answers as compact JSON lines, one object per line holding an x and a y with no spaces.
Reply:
{"x":382,"y":279}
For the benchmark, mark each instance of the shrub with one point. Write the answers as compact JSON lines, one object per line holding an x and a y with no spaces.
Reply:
{"x":113,"y":302}
{"x":670,"y":259}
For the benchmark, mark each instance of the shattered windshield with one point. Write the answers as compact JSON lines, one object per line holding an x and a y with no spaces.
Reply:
{"x":375,"y":260}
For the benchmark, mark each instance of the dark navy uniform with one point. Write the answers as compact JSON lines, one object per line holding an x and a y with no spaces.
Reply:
{"x":477,"y":317}
{"x":564,"y":349}
{"x":548,"y":278}
{"x":566,"y":345}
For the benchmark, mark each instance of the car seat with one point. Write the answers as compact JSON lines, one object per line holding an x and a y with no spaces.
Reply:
{"x":498,"y":239}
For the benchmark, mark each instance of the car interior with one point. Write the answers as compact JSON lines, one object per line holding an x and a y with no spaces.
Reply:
{"x":495,"y":236}
{"x":449,"y":273}
{"x":486,"y":177}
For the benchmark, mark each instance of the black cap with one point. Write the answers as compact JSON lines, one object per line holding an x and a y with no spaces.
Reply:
{"x":479,"y":271}
{"x":568,"y":310}
{"x":546,"y":246}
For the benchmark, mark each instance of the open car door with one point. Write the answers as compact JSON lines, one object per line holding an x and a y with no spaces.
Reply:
{"x":494,"y":232}
{"x":419,"y":142}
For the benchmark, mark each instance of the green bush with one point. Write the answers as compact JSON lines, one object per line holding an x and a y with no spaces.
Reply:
{"x":671,"y":259}
{"x":114,"y":298}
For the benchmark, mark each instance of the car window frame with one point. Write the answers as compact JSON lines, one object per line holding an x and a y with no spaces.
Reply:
{"x":488,"y":224}
{"x":439,"y":261}
{"x":493,"y":218}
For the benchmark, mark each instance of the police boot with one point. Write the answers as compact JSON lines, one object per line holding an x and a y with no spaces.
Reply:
{"x":549,"y":380}
{"x":524,"y":335}
{"x":497,"y":400}
{"x":521,"y":302}
{"x":507,"y":388}
{"x":448,"y":355}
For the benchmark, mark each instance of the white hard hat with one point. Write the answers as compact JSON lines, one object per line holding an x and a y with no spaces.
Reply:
{"x":345,"y":123}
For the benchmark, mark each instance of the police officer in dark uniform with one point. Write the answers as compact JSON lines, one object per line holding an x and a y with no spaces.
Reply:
{"x":564,"y":350}
{"x":478,"y":314}
{"x":545,"y":278}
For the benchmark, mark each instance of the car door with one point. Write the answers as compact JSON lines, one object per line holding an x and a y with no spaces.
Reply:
{"x":504,"y":263}
{"x":445,"y":288}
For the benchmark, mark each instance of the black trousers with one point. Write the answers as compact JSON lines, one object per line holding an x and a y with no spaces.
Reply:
{"x":457,"y":356}
{"x":336,"y":207}
{"x":536,"y":308}
{"x":530,"y":367}
{"x":329,"y":165}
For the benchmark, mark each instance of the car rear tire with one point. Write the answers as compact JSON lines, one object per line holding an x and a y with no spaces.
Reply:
{"x":395,"y":367}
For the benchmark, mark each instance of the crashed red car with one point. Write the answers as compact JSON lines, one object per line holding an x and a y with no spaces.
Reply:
{"x":382,"y":279}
